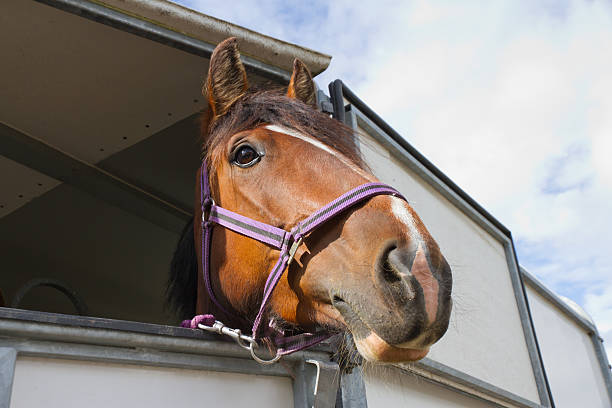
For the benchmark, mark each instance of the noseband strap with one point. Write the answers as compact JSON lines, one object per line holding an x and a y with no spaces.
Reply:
{"x":287,"y":242}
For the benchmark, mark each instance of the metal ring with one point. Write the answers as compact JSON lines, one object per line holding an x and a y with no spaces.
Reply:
{"x":261,"y":361}
{"x":207,"y":205}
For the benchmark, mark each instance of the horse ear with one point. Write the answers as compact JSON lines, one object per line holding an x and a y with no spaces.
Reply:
{"x":227,"y":80}
{"x":302,"y":86}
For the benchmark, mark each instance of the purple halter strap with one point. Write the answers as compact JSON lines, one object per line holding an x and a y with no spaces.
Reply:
{"x":287,"y":242}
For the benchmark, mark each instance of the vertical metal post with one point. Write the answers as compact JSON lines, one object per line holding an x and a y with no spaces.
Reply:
{"x":352,"y":388}
{"x":315,"y":384}
{"x":531,"y":338}
{"x":8,"y":357}
{"x":600,"y":352}
{"x":337,"y":100}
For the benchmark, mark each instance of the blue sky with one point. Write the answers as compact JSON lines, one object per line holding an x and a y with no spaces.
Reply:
{"x":511,"y":99}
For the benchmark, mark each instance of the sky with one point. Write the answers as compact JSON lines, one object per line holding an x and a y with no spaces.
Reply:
{"x":511,"y":99}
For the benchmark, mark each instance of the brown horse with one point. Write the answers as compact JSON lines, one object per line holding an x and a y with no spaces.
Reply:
{"x":374,"y":270}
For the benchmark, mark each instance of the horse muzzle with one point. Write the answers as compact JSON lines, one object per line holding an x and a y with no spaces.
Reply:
{"x":407,"y":308}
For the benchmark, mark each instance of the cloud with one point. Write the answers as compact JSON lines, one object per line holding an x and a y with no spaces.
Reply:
{"x":512,"y":100}
{"x":567,"y":172}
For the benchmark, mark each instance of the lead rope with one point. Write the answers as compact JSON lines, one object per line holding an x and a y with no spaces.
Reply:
{"x":287,"y":242}
{"x":208,"y":323}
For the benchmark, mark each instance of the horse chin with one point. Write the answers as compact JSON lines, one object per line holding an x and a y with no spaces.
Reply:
{"x":375,"y":349}
{"x":370,"y":345}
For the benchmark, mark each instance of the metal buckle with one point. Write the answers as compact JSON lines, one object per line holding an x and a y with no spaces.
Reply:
{"x":243,"y":340}
{"x":206,"y":207}
{"x":293,"y":250}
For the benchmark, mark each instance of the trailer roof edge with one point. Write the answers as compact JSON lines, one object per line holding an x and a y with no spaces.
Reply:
{"x":213,"y":30}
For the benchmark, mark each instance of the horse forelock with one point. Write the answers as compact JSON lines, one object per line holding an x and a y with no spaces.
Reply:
{"x":271,"y":107}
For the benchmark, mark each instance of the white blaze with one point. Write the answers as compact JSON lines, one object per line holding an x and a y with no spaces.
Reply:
{"x":322,"y":146}
{"x":399,"y":210}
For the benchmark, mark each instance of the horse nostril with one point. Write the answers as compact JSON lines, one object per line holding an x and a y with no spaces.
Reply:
{"x":388,"y":267}
{"x":393,"y":273}
{"x":389,"y":273}
{"x":337,"y":299}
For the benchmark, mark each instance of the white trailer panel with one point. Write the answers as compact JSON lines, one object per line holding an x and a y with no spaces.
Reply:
{"x":71,"y":383}
{"x":392,"y":387}
{"x":485,"y":323}
{"x":572,"y":365}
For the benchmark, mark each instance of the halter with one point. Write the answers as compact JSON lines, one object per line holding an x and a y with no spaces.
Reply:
{"x":287,"y":242}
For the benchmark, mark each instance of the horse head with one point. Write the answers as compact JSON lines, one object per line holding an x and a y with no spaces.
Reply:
{"x":373,"y":269}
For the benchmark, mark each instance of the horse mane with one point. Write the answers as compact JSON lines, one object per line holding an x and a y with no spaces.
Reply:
{"x":182,"y":284}
{"x":255,"y":108}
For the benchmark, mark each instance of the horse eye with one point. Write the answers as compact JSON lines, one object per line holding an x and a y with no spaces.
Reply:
{"x":246,"y":156}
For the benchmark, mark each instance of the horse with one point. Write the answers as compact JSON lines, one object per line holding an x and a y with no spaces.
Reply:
{"x":372,"y":270}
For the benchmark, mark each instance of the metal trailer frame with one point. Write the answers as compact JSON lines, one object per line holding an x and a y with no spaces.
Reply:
{"x":157,"y":345}
{"x":358,"y":113}
{"x":583,"y":323}
{"x":50,"y":335}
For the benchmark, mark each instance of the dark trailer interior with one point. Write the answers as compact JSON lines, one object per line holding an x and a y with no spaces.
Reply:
{"x":99,"y":148}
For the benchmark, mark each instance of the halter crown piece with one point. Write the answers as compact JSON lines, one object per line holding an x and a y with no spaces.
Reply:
{"x":287,"y":242}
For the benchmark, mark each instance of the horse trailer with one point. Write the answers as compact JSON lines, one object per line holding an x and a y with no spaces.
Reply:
{"x":99,"y":127}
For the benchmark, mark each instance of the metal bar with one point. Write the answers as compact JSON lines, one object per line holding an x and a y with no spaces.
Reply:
{"x":325,"y":384}
{"x":469,"y":381}
{"x":352,"y":388}
{"x":34,"y":316}
{"x":162,"y":35}
{"x":600,"y":352}
{"x":195,"y":343}
{"x":303,"y":384}
{"x":361,"y":106}
{"x":315,"y":383}
{"x":350,"y":120}
{"x":323,"y":102}
{"x":337,"y":100}
{"x":533,"y":347}
{"x":140,"y":356}
{"x":45,"y":158}
{"x":8,"y":356}
{"x":108,"y":337}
